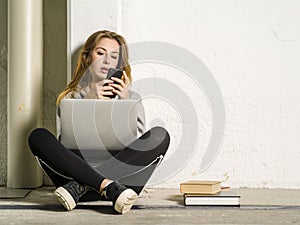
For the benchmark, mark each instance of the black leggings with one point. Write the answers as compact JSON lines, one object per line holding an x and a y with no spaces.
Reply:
{"x":131,"y":166}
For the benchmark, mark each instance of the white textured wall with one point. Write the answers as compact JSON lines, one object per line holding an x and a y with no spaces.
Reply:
{"x":252,"y":47}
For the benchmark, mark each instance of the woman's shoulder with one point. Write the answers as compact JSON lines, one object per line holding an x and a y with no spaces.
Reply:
{"x":79,"y":94}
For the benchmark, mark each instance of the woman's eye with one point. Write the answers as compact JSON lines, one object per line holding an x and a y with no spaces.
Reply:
{"x":114,"y":56}
{"x":100,"y":53}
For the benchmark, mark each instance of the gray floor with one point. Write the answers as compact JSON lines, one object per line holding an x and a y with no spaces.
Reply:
{"x":155,"y":206}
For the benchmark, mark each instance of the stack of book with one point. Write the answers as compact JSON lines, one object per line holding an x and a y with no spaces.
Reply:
{"x":208,"y":193}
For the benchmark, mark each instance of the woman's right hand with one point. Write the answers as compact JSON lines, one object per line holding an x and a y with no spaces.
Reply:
{"x":100,"y":90}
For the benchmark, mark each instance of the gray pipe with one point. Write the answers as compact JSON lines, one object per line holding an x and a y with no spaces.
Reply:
{"x":25,"y":93}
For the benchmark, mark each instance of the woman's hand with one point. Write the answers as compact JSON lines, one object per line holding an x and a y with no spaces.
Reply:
{"x":106,"y":88}
{"x":121,"y":89}
{"x":100,"y":90}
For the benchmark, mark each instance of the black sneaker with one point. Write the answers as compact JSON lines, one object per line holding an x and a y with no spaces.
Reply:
{"x":69,"y":194}
{"x":122,"y":197}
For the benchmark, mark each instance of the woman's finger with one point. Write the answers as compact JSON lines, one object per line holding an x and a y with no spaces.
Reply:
{"x":106,"y":88}
{"x":105,"y":94}
{"x":104,"y":82}
{"x":119,"y":93}
{"x":126,"y":79}
{"x":119,"y":81}
{"x":117,"y":86}
{"x":123,"y":94}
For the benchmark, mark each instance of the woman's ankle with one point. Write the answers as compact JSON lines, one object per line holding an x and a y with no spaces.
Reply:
{"x":104,"y":184}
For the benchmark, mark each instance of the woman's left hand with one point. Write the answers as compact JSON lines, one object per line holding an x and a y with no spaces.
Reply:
{"x":121,"y":89}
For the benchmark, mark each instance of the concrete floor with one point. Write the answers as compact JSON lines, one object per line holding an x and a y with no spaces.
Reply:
{"x":156,"y":206}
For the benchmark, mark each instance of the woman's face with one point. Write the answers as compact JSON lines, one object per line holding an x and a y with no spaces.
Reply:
{"x":104,"y":56}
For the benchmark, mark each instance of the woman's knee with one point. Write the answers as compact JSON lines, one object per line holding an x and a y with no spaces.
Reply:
{"x":160,"y":138}
{"x":37,"y":133}
{"x":161,"y":133}
{"x":37,"y":136}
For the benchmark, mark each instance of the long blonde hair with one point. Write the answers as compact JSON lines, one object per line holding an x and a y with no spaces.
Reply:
{"x":85,"y":59}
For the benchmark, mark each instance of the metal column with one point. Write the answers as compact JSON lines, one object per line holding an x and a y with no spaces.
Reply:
{"x":25,"y":89}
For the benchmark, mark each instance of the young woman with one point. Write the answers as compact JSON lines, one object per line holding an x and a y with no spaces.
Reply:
{"x":73,"y":176}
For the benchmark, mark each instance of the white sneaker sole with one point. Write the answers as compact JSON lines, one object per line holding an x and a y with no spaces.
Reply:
{"x":125,"y":201}
{"x":65,"y":198}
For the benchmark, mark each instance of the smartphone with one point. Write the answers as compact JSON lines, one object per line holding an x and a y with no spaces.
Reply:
{"x":113,"y":73}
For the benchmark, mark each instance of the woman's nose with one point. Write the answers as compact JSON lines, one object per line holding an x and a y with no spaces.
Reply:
{"x":106,"y":59}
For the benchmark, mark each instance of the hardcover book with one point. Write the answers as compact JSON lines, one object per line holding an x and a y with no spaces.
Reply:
{"x":223,"y":198}
{"x":201,"y":187}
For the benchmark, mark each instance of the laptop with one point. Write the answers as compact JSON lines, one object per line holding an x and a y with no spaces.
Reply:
{"x":90,"y":124}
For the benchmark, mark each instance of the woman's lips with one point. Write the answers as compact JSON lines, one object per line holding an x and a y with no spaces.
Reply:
{"x":104,"y":70}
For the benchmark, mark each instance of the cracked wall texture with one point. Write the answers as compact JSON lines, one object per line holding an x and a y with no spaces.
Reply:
{"x":252,"y":48}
